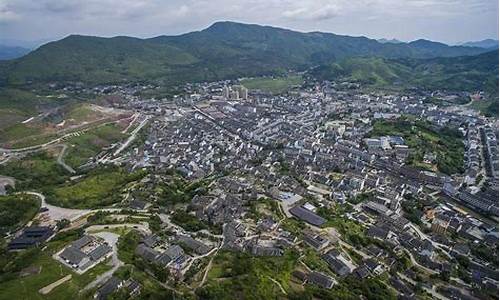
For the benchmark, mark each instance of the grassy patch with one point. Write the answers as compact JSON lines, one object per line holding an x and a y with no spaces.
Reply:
{"x":90,"y":143}
{"x":350,"y":230}
{"x":50,"y":271}
{"x":37,"y":171}
{"x":272,"y":85}
{"x":18,"y":131}
{"x":187,"y":221}
{"x":100,"y":187}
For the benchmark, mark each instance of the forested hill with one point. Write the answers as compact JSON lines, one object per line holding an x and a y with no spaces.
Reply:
{"x":224,"y":50}
{"x":471,"y":73}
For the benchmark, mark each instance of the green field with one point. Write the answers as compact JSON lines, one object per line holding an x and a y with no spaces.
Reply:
{"x":18,"y":131}
{"x":276,"y":85}
{"x":16,"y":210}
{"x":37,"y":171}
{"x":90,"y":143}
{"x":101,"y":187}
{"x":421,"y":137}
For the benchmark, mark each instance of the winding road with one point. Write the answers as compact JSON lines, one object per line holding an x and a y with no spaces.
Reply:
{"x":60,"y":160}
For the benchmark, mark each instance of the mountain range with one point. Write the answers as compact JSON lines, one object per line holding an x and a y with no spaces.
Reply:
{"x":223,"y":50}
{"x":11,"y":52}
{"x":487,"y":44}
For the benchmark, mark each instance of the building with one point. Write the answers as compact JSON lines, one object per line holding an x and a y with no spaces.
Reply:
{"x":85,"y":253}
{"x":307,"y":216}
{"x":31,"y":237}
{"x":109,"y":287}
{"x":321,"y":280}
{"x":439,"y":226}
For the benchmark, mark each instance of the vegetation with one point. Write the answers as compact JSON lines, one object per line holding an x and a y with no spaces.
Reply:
{"x":412,"y":209}
{"x":126,"y":246}
{"x":179,"y":191}
{"x":188,"y":221}
{"x":42,"y":270}
{"x":237,"y":275}
{"x":37,"y":171}
{"x":422,"y":137}
{"x":360,"y":198}
{"x":469,"y":73}
{"x":487,"y":107}
{"x":205,"y":55}
{"x":16,"y":210}
{"x":349,"y":288}
{"x":264,"y":207}
{"x":273,"y":85}
{"x":349,"y":229}
{"x":90,"y":143}
{"x":100,"y":187}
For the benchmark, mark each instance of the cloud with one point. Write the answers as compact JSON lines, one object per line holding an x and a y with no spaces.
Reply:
{"x":404,"y":19}
{"x":312,"y":13}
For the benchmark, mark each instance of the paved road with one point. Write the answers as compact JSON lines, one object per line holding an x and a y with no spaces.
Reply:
{"x":132,"y":136}
{"x":59,"y":213}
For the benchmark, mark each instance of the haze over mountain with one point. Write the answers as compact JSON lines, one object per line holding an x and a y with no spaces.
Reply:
{"x":223,"y":50}
{"x":487,"y":44}
{"x":8,"y":52}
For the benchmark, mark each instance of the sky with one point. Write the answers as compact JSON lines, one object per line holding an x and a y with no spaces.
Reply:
{"x":449,"y":21}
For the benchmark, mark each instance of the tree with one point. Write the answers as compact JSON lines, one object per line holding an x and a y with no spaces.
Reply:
{"x":63,"y":223}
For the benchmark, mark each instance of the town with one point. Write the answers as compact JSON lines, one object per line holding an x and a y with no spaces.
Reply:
{"x":337,"y":183}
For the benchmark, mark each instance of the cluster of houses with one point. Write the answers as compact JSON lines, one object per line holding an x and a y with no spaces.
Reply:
{"x":173,"y":255}
{"x":85,"y":253}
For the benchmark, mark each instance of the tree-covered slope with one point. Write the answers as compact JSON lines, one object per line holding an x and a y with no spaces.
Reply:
{"x":224,"y":50}
{"x":471,"y":73}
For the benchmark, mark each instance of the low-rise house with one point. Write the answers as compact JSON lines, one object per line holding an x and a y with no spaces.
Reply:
{"x":321,"y":280}
{"x":307,"y":216}
{"x":31,"y":237}
{"x":109,"y":287}
{"x":317,"y":241}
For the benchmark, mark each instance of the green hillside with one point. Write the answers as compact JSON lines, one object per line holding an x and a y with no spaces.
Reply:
{"x":471,"y":73}
{"x":224,"y":50}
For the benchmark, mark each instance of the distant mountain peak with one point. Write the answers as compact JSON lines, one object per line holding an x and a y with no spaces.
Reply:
{"x":391,"y":41}
{"x":426,"y":43}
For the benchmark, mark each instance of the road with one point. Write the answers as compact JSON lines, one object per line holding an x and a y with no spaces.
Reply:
{"x":132,"y":136}
{"x":59,"y":213}
{"x":209,"y":266}
{"x":141,"y":227}
{"x":61,"y":138}
{"x":60,"y":160}
{"x":424,"y":236}
{"x":428,"y":290}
